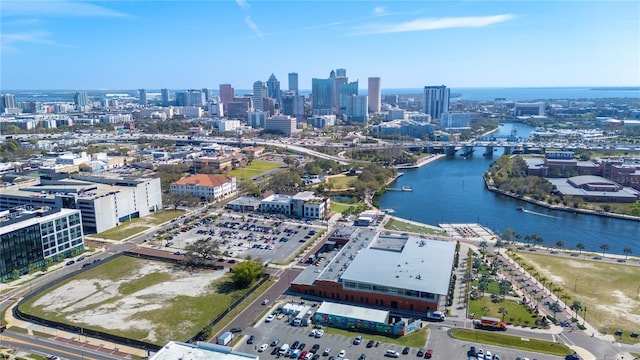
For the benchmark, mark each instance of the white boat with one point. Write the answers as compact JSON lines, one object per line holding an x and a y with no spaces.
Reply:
{"x":389,"y":211}
{"x":407,"y":188}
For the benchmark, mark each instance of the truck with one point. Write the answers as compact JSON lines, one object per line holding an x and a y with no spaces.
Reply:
{"x":491,"y":323}
{"x":436,"y":315}
{"x":225,"y":338}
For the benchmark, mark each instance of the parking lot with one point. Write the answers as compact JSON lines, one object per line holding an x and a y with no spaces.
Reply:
{"x":444,"y":347}
{"x":240,"y":235}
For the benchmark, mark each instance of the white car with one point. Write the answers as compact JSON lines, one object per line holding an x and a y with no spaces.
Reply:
{"x":270,"y":318}
{"x":487,"y":355}
{"x":319,"y":333}
{"x":342,"y":353}
{"x":263,"y":347}
{"x":313,"y":332}
{"x":480,"y":354}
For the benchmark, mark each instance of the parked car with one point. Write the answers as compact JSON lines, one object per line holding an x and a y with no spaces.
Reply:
{"x":420,"y":353}
{"x":269,"y":318}
{"x":406,"y":350}
{"x":263,"y":347}
{"x":251,"y":339}
{"x":428,"y":354}
{"x":71,"y":262}
{"x":236,"y":330}
{"x":357,"y":340}
{"x":319,"y":333}
{"x":370,"y":343}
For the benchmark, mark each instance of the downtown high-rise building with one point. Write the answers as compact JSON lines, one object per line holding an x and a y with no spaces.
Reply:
{"x":205,"y":94}
{"x":374,"y":92}
{"x":436,"y":100}
{"x":345,"y":91}
{"x":356,"y":108}
{"x":322,"y":96}
{"x":143,"y":96}
{"x":80,"y":99}
{"x":293,"y":104}
{"x":226,"y":93}
{"x":293,"y":82}
{"x":273,"y":89}
{"x":164,"y":97}
{"x":7,"y":102}
{"x":259,"y":94}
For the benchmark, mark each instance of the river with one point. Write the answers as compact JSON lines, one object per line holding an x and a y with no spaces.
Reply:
{"x":451,"y":190}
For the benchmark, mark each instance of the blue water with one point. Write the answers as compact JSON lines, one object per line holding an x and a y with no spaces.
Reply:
{"x":451,"y":190}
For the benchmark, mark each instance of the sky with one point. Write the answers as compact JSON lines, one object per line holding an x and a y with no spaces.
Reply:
{"x":408,"y":44}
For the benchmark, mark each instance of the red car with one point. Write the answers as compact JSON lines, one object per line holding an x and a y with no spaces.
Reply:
{"x":428,"y":354}
{"x":302,"y":354}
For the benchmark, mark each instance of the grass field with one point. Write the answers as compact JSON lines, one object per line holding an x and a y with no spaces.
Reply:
{"x":609,"y":291}
{"x":341,"y":182}
{"x":416,"y":339}
{"x":256,"y":168}
{"x":122,"y":231}
{"x":514,"y":342}
{"x":340,"y":207}
{"x":515,"y":311}
{"x":163,"y":216}
{"x":122,"y":288}
{"x":398,"y":225}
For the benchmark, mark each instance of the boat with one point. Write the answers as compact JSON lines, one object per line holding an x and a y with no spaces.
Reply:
{"x":407,"y":188}
{"x":520,"y":208}
{"x":389,"y":211}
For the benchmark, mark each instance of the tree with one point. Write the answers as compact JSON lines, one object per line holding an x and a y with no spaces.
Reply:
{"x":503,"y":311}
{"x":483,"y":246}
{"x":626,"y":251}
{"x":560,"y":245}
{"x":580,"y":247}
{"x":504,"y":286}
{"x":246,"y":272}
{"x":508,"y":235}
{"x":576,"y":306}
{"x":604,"y":247}
{"x":200,"y":250}
{"x":16,"y":273}
{"x":555,"y":307}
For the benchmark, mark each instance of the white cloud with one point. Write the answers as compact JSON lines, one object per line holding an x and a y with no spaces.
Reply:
{"x":253,"y":27}
{"x":56,"y":8}
{"x":379,"y":10}
{"x":9,"y":40}
{"x":425,"y":24}
{"x":244,"y":5}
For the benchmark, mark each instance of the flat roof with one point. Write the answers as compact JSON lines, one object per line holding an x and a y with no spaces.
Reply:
{"x":421,"y":264}
{"x":59,"y":212}
{"x":354,"y":312}
{"x":199,"y":351}
{"x":566,"y":188}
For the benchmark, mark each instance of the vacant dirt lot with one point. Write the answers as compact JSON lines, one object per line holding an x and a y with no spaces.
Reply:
{"x":132,"y":303}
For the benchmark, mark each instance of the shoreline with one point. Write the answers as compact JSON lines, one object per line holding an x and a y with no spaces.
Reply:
{"x":422,"y":162}
{"x":560,"y":208}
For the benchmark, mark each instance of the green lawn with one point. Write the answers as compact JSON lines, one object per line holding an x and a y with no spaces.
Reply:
{"x":256,"y":168}
{"x":514,"y":342}
{"x":191,"y":312}
{"x":416,"y":339}
{"x":121,"y":232}
{"x":608,"y":290}
{"x":164,"y":216}
{"x":341,"y":207}
{"x":398,"y":225}
{"x":515,"y":311}
{"x":341,"y":182}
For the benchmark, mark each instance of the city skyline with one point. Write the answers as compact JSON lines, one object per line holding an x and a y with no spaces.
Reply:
{"x":201,"y":44}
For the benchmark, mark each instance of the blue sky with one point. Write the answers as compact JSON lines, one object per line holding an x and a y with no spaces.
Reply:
{"x":196,"y":44}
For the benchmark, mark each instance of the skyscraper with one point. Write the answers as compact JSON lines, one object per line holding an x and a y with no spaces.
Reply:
{"x":205,"y":93}
{"x":273,"y":89}
{"x":293,"y":82}
{"x":375,"y":94}
{"x":322,"y":93}
{"x":143,"y":96}
{"x":7,"y":101}
{"x":344,"y":91}
{"x":80,"y":99}
{"x":436,"y":100}
{"x":356,"y":108}
{"x":259,"y":93}
{"x":226,"y":93}
{"x":164,"y":93}
{"x":341,"y":72}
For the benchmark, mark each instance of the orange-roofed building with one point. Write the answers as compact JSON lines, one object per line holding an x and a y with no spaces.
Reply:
{"x":205,"y":186}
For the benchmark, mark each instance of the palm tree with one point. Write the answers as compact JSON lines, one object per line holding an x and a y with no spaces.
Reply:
{"x":560,"y":245}
{"x":575,"y":307}
{"x":503,"y":311}
{"x":580,"y":247}
{"x":626,"y":251}
{"x":539,"y":240}
{"x":564,"y":298}
{"x":604,"y":247}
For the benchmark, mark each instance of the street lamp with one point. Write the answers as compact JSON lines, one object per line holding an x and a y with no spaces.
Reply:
{"x":584,"y":318}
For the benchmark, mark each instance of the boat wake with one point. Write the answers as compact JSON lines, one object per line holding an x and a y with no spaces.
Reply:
{"x":539,"y":214}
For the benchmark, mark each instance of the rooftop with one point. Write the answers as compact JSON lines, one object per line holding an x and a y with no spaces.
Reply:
{"x":200,"y":351}
{"x":354,"y":312}
{"x":204,"y":180}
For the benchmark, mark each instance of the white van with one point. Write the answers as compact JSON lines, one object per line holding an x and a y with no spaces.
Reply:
{"x":283,"y":349}
{"x":392,"y":353}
